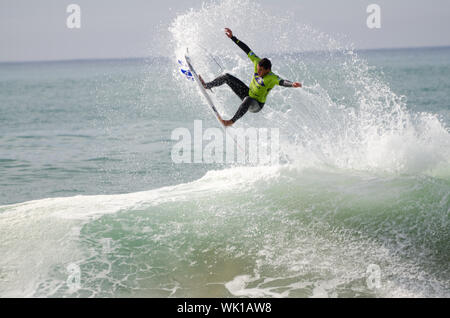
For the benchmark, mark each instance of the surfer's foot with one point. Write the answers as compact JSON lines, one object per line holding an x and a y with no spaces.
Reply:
{"x":227,"y":123}
{"x":202,"y":81}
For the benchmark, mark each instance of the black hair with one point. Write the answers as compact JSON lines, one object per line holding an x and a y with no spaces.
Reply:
{"x":265,"y":62}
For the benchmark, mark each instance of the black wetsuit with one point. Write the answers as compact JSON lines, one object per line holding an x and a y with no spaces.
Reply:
{"x":240,"y":89}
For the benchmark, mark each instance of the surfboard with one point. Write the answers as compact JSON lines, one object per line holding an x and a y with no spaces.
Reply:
{"x":202,"y":89}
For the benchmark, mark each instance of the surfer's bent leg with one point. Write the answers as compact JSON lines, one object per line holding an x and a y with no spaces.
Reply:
{"x":249,"y":104}
{"x":238,"y":87}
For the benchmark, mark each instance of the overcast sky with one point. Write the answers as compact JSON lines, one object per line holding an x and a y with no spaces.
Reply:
{"x":36,"y":29}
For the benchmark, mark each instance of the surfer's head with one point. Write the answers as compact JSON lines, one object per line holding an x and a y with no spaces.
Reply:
{"x":264,"y":67}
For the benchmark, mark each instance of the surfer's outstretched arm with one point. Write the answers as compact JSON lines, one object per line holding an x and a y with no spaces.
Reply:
{"x":287,"y":83}
{"x":239,"y":43}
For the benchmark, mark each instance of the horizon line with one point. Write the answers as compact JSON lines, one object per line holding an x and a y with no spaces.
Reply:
{"x":165,"y":57}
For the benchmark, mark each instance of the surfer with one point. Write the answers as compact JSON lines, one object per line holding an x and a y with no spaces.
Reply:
{"x":263,"y":80}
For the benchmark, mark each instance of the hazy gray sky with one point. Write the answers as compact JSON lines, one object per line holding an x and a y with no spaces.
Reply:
{"x":36,"y":30}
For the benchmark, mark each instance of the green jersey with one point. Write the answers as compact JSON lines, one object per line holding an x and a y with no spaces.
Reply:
{"x":261,"y":86}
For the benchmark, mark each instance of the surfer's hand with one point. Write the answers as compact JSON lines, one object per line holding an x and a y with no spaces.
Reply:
{"x":228,"y":33}
{"x":297,"y":84}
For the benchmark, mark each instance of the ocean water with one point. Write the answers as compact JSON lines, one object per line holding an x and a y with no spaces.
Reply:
{"x":92,"y":204}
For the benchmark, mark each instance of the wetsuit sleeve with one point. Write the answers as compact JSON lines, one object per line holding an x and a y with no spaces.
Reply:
{"x":251,"y":55}
{"x":285,"y":83}
{"x":242,"y":45}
